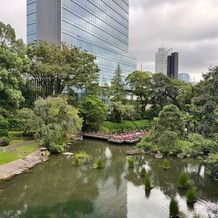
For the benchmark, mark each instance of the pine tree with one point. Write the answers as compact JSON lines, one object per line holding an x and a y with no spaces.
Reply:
{"x":117,"y":91}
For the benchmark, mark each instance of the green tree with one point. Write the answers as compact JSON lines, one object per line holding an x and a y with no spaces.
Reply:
{"x":29,"y":117}
{"x":140,"y":83}
{"x":105,"y":91}
{"x":184,"y":97}
{"x":117,"y":111}
{"x":56,"y":120}
{"x":29,"y":92}
{"x":205,"y":104}
{"x":166,"y":129}
{"x":57,"y":67}
{"x":13,"y":64}
{"x":117,"y":91}
{"x":169,"y":119}
{"x":212,"y":165}
{"x":93,"y":111}
{"x":164,"y":92}
{"x":120,"y":111}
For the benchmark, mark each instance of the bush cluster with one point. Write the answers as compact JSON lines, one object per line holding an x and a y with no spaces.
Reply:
{"x":124,"y":126}
{"x":15,"y":124}
{"x":4,"y":141}
{"x":194,"y":145}
{"x":3,"y":127}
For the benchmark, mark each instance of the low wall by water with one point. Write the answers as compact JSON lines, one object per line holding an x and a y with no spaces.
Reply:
{"x":7,"y":171}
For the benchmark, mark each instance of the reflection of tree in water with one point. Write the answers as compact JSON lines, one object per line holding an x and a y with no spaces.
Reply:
{"x":58,"y":184}
{"x":75,"y":208}
{"x":133,"y":175}
{"x":166,"y":181}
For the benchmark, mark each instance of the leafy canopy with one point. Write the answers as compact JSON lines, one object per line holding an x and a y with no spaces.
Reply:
{"x":55,"y":121}
{"x":57,"y":67}
{"x":13,"y":66}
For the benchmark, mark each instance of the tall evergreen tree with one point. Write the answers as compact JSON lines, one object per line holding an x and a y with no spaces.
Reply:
{"x":117,"y":91}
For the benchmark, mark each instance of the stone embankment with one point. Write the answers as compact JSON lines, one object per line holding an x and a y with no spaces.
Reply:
{"x":9,"y":170}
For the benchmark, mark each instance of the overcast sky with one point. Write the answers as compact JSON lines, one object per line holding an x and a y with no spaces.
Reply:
{"x":190,"y":27}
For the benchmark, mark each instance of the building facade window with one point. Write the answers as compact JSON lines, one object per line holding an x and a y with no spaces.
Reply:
{"x":100,"y":27}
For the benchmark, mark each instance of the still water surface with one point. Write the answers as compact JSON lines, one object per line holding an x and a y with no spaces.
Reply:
{"x":57,"y":188}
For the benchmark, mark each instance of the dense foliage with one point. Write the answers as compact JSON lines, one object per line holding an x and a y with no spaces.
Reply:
{"x":56,"y":67}
{"x":55,"y":121}
{"x":124,"y":126}
{"x":93,"y":111}
{"x":183,"y":118}
{"x":140,"y":83}
{"x":13,"y":65}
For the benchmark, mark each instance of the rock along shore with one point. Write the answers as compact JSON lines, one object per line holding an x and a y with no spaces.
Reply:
{"x":9,"y":170}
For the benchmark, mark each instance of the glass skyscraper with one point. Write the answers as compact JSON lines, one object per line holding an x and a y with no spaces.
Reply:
{"x":101,"y":27}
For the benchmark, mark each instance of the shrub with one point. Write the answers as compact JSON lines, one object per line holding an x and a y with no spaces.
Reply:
{"x":15,"y":135}
{"x":174,"y":207}
{"x":3,"y":124}
{"x":202,"y":145}
{"x":182,"y":146}
{"x":147,"y":183}
{"x":3,"y":132}
{"x":99,"y":164}
{"x":143,"y":172}
{"x":191,"y":195}
{"x":127,"y":125}
{"x":124,"y":126}
{"x":130,"y":162}
{"x":3,"y":127}
{"x":167,"y":141}
{"x":76,"y":161}
{"x":212,"y":165}
{"x":55,"y":148}
{"x":82,"y":154}
{"x":4,"y":141}
{"x":142,"y":124}
{"x":166,"y":164}
{"x":183,"y":180}
{"x":146,"y":143}
{"x":16,"y":124}
{"x":208,"y":146}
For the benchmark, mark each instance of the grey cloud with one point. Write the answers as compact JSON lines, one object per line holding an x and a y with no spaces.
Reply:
{"x":189,"y":27}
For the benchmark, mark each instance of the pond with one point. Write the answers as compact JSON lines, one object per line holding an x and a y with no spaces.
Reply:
{"x":58,"y":188}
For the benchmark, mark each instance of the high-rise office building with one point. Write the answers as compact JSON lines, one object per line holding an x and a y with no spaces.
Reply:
{"x":100,"y":27}
{"x":184,"y":77}
{"x":161,"y":61}
{"x":172,"y":65}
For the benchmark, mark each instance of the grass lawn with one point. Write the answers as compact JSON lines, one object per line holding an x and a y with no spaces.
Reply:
{"x":7,"y":156}
{"x":15,"y":134}
{"x":17,"y":141}
{"x":18,"y":153}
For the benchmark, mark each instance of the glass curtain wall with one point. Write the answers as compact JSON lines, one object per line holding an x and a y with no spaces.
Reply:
{"x":100,"y":27}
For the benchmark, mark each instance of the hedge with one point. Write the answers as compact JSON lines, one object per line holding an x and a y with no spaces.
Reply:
{"x":4,"y":141}
{"x":124,"y":126}
{"x":3,"y":128}
{"x":16,"y":124}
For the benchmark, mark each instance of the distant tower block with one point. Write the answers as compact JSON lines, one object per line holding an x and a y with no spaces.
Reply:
{"x":173,"y":65}
{"x":161,"y":60}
